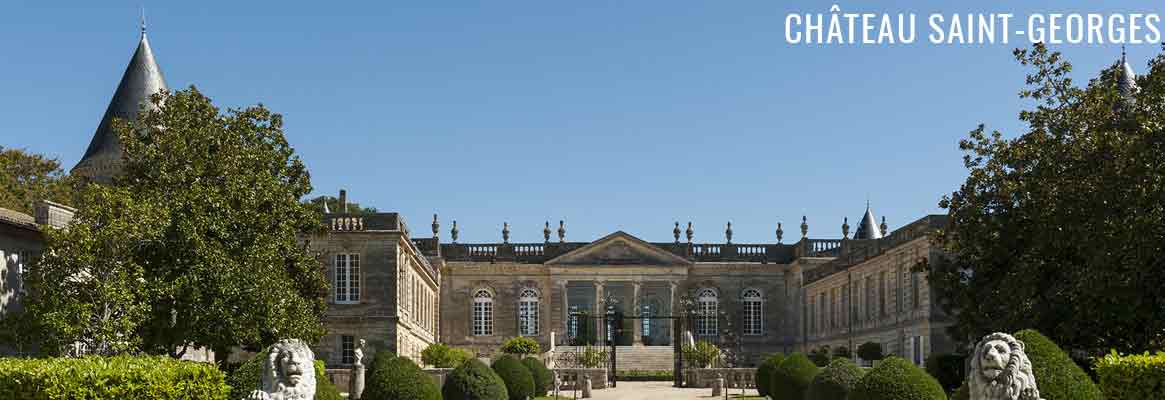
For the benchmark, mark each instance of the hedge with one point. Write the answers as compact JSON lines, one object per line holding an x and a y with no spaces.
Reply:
{"x":835,"y":381}
{"x":792,"y":377}
{"x":764,"y":373}
{"x":1057,"y":376}
{"x":1132,"y":377}
{"x":247,"y":376}
{"x":118,"y":377}
{"x":636,"y":375}
{"x":397,"y":378}
{"x":441,"y":356}
{"x":543,"y":378}
{"x":519,"y":381}
{"x":473,"y":380}
{"x":897,"y":379}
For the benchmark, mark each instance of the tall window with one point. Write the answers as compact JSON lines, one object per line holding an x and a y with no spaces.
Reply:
{"x":882,"y":293}
{"x":754,"y":320}
{"x":646,"y":311}
{"x":870,"y":302}
{"x":572,"y":326}
{"x":347,"y":278}
{"x":917,"y":299}
{"x":483,"y":313}
{"x":528,"y":312}
{"x":347,"y":350}
{"x":706,"y":322}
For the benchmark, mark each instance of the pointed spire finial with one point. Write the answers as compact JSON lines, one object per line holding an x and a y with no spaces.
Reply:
{"x":143,"y":20}
{"x":1122,"y":53}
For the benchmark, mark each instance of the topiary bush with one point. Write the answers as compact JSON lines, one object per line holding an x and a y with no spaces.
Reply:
{"x":819,"y":356}
{"x":1132,"y":377}
{"x":947,"y":368}
{"x":764,"y":373}
{"x":835,"y":381}
{"x":521,"y":345}
{"x":870,"y":351}
{"x":792,"y":377}
{"x":389,"y":377}
{"x":519,"y":381}
{"x":897,"y":379}
{"x":1057,"y":376}
{"x":842,"y":352}
{"x":473,"y":380}
{"x":441,"y":356}
{"x":543,"y":378}
{"x":118,"y":377}
{"x":246,"y":378}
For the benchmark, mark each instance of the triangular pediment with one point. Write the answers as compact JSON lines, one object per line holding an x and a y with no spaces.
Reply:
{"x":619,"y":248}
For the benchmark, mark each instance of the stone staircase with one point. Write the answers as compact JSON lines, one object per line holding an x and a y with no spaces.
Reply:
{"x":637,"y":358}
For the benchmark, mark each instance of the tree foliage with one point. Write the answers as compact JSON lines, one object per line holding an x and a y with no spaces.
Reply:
{"x":197,"y":242}
{"x":1060,"y":228}
{"x":27,"y":178}
{"x":317,"y":204}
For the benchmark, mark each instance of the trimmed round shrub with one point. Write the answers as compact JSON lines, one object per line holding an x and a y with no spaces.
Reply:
{"x":897,"y":379}
{"x":835,"y":381}
{"x":947,"y":368}
{"x":441,"y":356}
{"x":1057,"y":376}
{"x":543,"y":378}
{"x":764,"y":373}
{"x":819,"y":356}
{"x":792,"y":377}
{"x":870,"y":351}
{"x":246,"y":378}
{"x":842,"y":352}
{"x":473,"y":380}
{"x":519,"y":381}
{"x":521,"y":345}
{"x":396,"y":378}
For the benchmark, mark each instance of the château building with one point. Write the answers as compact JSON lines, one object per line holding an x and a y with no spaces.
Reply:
{"x":401,"y":290}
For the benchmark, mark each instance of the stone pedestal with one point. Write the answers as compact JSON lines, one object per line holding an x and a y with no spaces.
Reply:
{"x":357,"y":386}
{"x":718,"y":387}
{"x":586,"y":387}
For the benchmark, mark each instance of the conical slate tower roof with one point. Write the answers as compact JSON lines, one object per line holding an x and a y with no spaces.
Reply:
{"x":1126,"y":80}
{"x":867,"y":228}
{"x":141,"y":79}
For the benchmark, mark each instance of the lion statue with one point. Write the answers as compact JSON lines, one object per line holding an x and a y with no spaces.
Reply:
{"x":288,"y":373}
{"x":1000,"y":370}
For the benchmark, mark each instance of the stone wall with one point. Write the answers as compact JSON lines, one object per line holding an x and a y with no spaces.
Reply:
{"x":733,"y":377}
{"x":572,"y":377}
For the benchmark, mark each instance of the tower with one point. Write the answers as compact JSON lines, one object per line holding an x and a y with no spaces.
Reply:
{"x":142,"y":78}
{"x":868,"y":228}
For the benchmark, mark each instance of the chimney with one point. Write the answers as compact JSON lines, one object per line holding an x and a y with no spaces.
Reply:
{"x":343,"y":201}
{"x":54,"y":214}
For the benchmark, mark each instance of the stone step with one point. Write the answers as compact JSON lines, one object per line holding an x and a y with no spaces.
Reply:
{"x":639,"y":358}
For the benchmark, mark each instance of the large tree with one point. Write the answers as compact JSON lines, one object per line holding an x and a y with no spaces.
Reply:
{"x":203,"y":233}
{"x":1061,"y":228}
{"x":27,"y":178}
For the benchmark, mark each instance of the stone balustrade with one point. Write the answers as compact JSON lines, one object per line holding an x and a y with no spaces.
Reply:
{"x":735,"y":378}
{"x":572,"y":377}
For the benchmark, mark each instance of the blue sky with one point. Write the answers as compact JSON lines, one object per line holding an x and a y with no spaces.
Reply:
{"x":612,"y":115}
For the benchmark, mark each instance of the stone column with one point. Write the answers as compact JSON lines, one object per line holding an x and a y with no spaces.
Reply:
{"x":637,"y":325}
{"x":671,"y":309}
{"x":565,"y":306}
{"x":599,"y":311}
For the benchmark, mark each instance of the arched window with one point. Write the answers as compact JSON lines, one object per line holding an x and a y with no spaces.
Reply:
{"x":483,"y":313}
{"x":754,"y":315}
{"x":528,"y":312}
{"x":706,"y":306}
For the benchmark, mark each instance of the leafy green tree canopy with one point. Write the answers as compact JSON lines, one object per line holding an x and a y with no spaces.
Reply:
{"x":197,"y":242}
{"x":27,"y":178}
{"x":1059,"y":228}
